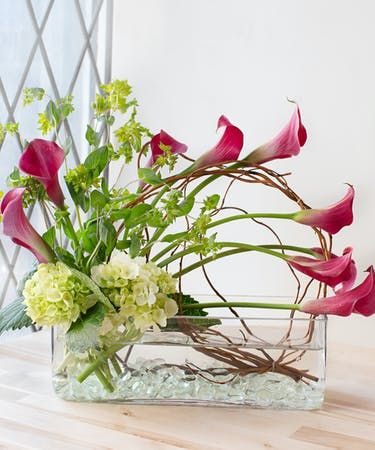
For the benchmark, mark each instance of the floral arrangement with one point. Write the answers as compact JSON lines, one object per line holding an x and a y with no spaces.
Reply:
{"x":102,"y":271}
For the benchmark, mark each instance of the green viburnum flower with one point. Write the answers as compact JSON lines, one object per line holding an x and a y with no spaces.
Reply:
{"x":138,"y":289}
{"x":30,"y":95}
{"x":34,"y":189}
{"x":80,"y":179}
{"x":54,"y":296}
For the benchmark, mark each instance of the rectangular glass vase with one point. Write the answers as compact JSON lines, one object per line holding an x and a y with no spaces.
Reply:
{"x":222,"y":361}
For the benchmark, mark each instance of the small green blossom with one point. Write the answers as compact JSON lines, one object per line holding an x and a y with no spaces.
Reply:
{"x":168,"y":158}
{"x":34,"y":191}
{"x":45,"y":126}
{"x":54,"y":296}
{"x":12,"y":128}
{"x":30,"y":95}
{"x":2,"y":133}
{"x":80,"y":179}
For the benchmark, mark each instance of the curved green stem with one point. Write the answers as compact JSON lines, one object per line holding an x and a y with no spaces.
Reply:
{"x":289,"y":306}
{"x":251,"y":216}
{"x":266,"y":248}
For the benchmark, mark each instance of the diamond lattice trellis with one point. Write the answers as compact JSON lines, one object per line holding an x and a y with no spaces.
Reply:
{"x":64,"y":46}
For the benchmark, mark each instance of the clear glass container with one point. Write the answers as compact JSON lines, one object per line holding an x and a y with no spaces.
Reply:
{"x":256,"y":362}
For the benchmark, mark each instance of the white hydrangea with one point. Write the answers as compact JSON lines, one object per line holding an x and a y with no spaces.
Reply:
{"x":117,"y":272}
{"x":139,"y":289}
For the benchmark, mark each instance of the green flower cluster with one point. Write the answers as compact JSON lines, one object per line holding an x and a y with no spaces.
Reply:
{"x":54,"y":296}
{"x":138,"y":289}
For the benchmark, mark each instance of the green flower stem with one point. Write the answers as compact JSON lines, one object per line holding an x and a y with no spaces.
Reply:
{"x":268,"y":249}
{"x":154,"y":238}
{"x":101,"y":359}
{"x":69,"y":225}
{"x":208,"y":260}
{"x":116,"y":365}
{"x":289,"y":306}
{"x":103,"y":379}
{"x":251,"y":216}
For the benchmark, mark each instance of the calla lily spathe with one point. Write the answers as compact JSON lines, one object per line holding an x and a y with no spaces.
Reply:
{"x":284,"y":145}
{"x":17,"y":226}
{"x":360,"y":300}
{"x":332,"y":218}
{"x":166,"y":139}
{"x":336,"y":271}
{"x":227,"y":149}
{"x":42,"y":160}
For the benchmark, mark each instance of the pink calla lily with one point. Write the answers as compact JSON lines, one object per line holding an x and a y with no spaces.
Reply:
{"x":330,"y":219}
{"x":360,"y":300}
{"x":167,"y":140}
{"x":227,"y":149}
{"x":284,"y":145}
{"x":42,"y":160}
{"x":17,"y":226}
{"x":338,"y":270}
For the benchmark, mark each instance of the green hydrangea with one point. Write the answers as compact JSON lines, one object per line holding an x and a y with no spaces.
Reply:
{"x":138,"y":289}
{"x":54,"y":296}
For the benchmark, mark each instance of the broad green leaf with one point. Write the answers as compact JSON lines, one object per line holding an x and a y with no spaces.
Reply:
{"x":108,"y":235}
{"x":83,"y":334}
{"x":174,"y":236}
{"x":49,"y":236}
{"x":94,"y":288}
{"x":121,"y":214}
{"x":97,"y":160}
{"x":14,"y":317}
{"x":92,"y":137}
{"x":135,"y":246}
{"x":123,"y":244}
{"x":149,"y":176}
{"x":52,"y":113}
{"x":197,"y":315}
{"x":184,"y":207}
{"x":138,"y":215}
{"x":97,"y":199}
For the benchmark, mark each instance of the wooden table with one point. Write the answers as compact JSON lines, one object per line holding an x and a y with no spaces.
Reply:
{"x":32,"y":417}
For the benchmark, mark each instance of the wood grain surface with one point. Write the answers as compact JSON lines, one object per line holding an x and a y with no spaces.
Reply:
{"x":31,"y":417}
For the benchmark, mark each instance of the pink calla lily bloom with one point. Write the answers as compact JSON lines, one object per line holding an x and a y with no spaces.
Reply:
{"x":227,"y":149}
{"x":167,"y":140}
{"x":284,"y":145}
{"x":42,"y":160}
{"x":17,"y":226}
{"x":330,"y":219}
{"x":360,"y":300}
{"x":338,"y":270}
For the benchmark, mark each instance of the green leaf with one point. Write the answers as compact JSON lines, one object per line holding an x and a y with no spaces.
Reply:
{"x":52,"y":113}
{"x":83,"y":334}
{"x":92,"y":137}
{"x":149,"y":176}
{"x":123,"y":244}
{"x":64,"y":256}
{"x":108,"y":235}
{"x":49,"y":236}
{"x":97,"y":160}
{"x":197,"y":315}
{"x":174,"y":236}
{"x":138,"y":215}
{"x":94,"y":288}
{"x":184,"y":207}
{"x":121,"y":214}
{"x":97,"y":199}
{"x":14,"y":317}
{"x":105,"y":187}
{"x":135,"y":246}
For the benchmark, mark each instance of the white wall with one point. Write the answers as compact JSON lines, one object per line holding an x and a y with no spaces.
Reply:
{"x":192,"y":60}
